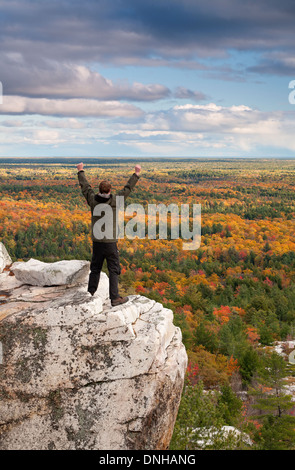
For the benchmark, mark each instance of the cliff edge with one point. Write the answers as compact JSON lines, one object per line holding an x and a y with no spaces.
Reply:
{"x":76,"y":373}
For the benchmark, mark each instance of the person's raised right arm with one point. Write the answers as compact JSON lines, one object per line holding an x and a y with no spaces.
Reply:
{"x":86,"y":188}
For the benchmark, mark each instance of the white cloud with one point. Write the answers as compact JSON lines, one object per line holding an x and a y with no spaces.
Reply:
{"x":206,"y":107}
{"x":232,"y":128}
{"x":43,"y":137}
{"x":71,"y":107}
{"x":71,"y":123}
{"x":11,"y":123}
{"x":189,"y":129}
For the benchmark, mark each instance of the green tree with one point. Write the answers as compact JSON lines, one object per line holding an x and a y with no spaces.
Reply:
{"x":278,"y":428}
{"x":230,"y":406}
{"x":200,"y":421}
{"x":197,"y":412}
{"x":194,"y":298}
{"x":203,"y":336}
{"x":233,"y":337}
{"x":249,"y":363}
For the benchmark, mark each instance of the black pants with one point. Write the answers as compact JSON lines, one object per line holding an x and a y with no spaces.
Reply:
{"x":102,"y":251}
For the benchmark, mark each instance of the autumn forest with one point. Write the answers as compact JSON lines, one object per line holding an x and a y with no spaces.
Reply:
{"x":233,"y":298}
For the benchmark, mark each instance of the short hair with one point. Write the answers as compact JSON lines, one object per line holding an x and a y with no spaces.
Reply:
{"x":104,"y":187}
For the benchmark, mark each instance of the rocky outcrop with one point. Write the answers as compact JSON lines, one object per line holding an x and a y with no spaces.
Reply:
{"x":78,"y":374}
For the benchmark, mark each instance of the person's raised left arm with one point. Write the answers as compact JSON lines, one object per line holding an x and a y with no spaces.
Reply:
{"x":131,"y":183}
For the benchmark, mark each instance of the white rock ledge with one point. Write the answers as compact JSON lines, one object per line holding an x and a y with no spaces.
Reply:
{"x":79,"y":374}
{"x":38,"y":273}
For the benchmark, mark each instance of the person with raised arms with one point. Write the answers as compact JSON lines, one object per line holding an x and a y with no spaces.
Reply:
{"x":104,"y":243}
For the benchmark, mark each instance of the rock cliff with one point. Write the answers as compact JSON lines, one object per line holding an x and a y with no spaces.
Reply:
{"x":76,"y":373}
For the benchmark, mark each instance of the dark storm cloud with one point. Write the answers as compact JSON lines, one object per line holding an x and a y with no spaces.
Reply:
{"x":104,"y":30}
{"x":281,"y":64}
{"x":44,"y":42}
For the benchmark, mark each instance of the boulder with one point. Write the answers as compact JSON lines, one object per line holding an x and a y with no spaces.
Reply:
{"x":38,"y":273}
{"x":79,"y":374}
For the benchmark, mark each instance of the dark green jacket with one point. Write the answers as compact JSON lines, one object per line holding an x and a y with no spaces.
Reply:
{"x":94,"y":199}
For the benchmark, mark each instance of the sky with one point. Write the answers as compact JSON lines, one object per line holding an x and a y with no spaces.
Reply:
{"x":181,"y":78}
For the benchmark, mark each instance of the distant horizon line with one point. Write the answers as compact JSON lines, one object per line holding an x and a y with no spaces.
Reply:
{"x":150,"y":158}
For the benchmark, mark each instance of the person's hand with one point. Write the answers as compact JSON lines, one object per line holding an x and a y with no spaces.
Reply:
{"x":137,"y":169}
{"x":80,"y":166}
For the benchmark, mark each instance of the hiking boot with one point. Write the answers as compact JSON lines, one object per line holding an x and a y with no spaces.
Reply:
{"x":119,"y":301}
